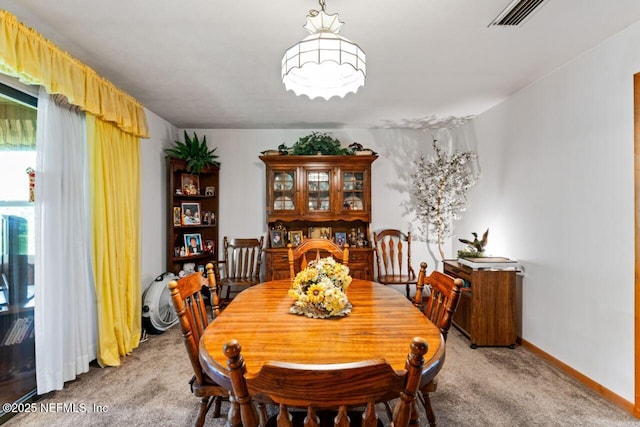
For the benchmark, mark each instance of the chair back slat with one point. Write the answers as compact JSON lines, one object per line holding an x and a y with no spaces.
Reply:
{"x":188,"y":301}
{"x":242,"y":259}
{"x":318,"y":388}
{"x":442,"y":299}
{"x":393,"y":258}
{"x":319,"y":247}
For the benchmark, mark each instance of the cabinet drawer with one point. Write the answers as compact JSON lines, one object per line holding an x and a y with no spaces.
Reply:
{"x":454,"y":269}
{"x":358,"y":257}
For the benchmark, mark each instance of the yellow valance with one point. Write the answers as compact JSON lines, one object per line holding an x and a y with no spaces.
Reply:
{"x":25,"y":54}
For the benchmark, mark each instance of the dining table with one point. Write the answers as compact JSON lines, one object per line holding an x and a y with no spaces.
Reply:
{"x":382,"y":324}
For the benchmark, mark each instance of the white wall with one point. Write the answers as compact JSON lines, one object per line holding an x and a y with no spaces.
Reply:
{"x":154,"y":199}
{"x":557,"y":192}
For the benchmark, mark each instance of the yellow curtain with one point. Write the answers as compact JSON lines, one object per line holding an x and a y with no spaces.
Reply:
{"x":25,"y":54}
{"x":114,"y":188}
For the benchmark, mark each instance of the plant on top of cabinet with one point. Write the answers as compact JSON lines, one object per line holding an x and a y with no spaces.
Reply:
{"x":318,"y":143}
{"x":194,"y":152}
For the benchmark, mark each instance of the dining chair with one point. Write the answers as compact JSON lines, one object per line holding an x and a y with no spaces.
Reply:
{"x":325,"y":246}
{"x":313,"y":395}
{"x":438,"y":302}
{"x":240,"y":267}
{"x":393,"y":258}
{"x":189,"y":302}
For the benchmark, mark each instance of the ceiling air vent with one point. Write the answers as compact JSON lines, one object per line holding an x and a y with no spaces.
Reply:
{"x":516,"y":12}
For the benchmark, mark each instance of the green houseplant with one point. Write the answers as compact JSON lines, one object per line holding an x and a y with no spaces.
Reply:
{"x":195,"y":152}
{"x":317,"y":143}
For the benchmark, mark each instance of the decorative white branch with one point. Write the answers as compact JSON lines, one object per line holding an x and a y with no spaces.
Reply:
{"x":439,"y":191}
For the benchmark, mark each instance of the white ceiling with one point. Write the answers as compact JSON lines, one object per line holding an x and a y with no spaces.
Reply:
{"x":216,"y":64}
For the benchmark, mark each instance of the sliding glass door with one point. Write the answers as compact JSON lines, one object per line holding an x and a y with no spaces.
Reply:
{"x":17,"y":246}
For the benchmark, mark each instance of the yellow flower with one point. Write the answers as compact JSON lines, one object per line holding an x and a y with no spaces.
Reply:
{"x":315,"y":293}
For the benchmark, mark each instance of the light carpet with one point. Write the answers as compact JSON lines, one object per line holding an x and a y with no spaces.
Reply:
{"x":481,"y":387}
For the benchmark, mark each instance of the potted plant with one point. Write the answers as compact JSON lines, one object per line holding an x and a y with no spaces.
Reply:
{"x":439,"y":191}
{"x":196,"y":153}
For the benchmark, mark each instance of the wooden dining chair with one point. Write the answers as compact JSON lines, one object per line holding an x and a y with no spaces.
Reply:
{"x":189,"y":303}
{"x":326,"y":393}
{"x":393,"y":258}
{"x":439,"y":303}
{"x":298,"y":255}
{"x":240,"y":267}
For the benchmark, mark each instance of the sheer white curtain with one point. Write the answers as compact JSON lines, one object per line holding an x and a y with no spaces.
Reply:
{"x":65,"y":322}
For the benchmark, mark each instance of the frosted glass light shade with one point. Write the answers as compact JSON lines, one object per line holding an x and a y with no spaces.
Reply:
{"x":324,"y":64}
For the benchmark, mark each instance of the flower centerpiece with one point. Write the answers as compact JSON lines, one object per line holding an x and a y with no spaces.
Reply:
{"x":320,"y":289}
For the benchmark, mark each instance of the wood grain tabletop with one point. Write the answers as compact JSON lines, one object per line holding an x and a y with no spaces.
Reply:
{"x":381,"y":325}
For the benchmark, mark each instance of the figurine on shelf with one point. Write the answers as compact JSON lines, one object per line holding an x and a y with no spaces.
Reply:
{"x":183,"y":252}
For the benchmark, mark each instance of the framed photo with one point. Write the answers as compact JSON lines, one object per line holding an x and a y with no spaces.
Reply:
{"x":209,"y":246}
{"x":277,"y":239}
{"x":320,"y":233}
{"x":295,"y":237}
{"x":177,"y":216}
{"x":341,"y":239}
{"x":210,"y":191}
{"x":190,"y":213}
{"x":190,"y":184}
{"x":193,"y":243}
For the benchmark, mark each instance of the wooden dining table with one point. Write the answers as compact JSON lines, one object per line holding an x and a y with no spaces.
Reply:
{"x":381,"y":324}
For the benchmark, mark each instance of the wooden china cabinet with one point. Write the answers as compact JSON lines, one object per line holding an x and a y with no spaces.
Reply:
{"x":182,"y":222}
{"x":319,"y":196}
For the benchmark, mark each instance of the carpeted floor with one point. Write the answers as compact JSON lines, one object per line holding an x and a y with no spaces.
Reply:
{"x":482,"y":387}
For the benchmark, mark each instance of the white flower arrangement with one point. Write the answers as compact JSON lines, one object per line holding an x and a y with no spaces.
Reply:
{"x":320,"y":289}
{"x":439,"y":191}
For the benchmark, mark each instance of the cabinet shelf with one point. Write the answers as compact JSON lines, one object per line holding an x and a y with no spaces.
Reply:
{"x":189,"y":258}
{"x":192,"y":196}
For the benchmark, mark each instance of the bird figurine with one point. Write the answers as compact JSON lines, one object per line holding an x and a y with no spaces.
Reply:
{"x":477,"y":245}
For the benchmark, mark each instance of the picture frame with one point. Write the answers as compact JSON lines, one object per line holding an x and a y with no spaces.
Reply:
{"x":177,"y":216}
{"x":206,"y":217}
{"x":190,"y":184}
{"x":193,"y":243}
{"x":277,"y":238}
{"x":210,"y":191}
{"x":341,"y":238}
{"x":209,"y":246}
{"x":191,"y":213}
{"x":320,"y":232}
{"x":295,"y":237}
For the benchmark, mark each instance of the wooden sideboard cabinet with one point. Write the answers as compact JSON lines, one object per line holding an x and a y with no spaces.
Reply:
{"x":360,"y":263}
{"x":309,"y":194}
{"x":486,"y":312}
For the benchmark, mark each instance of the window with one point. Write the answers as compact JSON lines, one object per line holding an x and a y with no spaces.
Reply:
{"x":18,"y":117}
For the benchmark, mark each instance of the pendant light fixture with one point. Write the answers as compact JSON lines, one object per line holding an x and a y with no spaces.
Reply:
{"x":324,"y":64}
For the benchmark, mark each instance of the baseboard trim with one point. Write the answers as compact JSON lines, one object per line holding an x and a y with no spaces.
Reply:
{"x":583,"y":379}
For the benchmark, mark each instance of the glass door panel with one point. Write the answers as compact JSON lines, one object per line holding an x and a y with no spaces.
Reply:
{"x":284,"y":189}
{"x":318,"y":189}
{"x":353,"y":191}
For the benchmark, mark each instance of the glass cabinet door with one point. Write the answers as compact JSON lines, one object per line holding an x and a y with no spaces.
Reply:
{"x":284,"y":189}
{"x":353,"y":191}
{"x":318,"y":189}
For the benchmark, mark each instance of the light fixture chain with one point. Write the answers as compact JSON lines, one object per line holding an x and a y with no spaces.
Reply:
{"x":322,"y":5}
